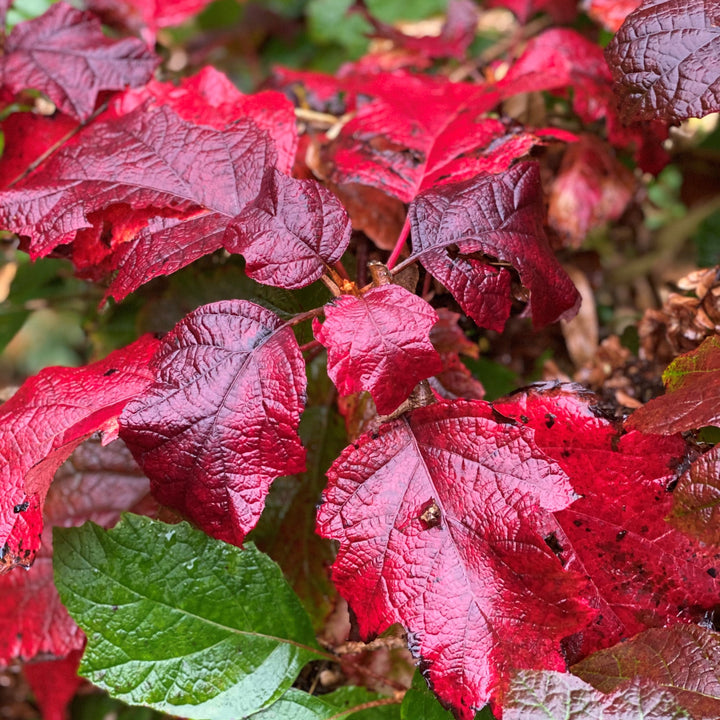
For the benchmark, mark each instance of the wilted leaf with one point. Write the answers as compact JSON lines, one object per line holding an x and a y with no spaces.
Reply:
{"x":460,"y":228}
{"x":379,"y":341}
{"x":204,"y":644}
{"x":560,"y":696}
{"x":40,"y":426}
{"x":65,"y":54}
{"x":452,"y":547}
{"x":220,"y":422}
{"x":291,"y":232}
{"x":681,"y":662}
{"x":644,"y":572}
{"x":664,"y":60}
{"x":692,"y":393}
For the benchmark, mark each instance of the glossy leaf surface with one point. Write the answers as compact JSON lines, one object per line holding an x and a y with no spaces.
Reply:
{"x":452,"y":548}
{"x":220,"y":421}
{"x":44,"y":421}
{"x":692,"y":393}
{"x":379,"y":341}
{"x":204,"y":645}
{"x":681,"y":661}
{"x":664,"y":60}
{"x":65,"y":54}
{"x":644,"y":573}
{"x":459,"y":228}
{"x":291,"y":232}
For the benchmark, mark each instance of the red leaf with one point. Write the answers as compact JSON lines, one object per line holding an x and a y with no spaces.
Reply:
{"x":65,"y":54}
{"x":379,"y":341}
{"x":450,"y":548}
{"x":97,"y":483}
{"x":664,"y":60}
{"x":150,"y":14}
{"x":592,"y":188}
{"x":291,"y":232}
{"x":645,"y":573}
{"x":457,"y":226}
{"x":141,"y":162}
{"x":692,"y":393}
{"x":44,"y":421}
{"x":220,"y":422}
{"x":682,"y":661}
{"x":54,"y":683}
{"x":561,"y":11}
{"x":611,"y":13}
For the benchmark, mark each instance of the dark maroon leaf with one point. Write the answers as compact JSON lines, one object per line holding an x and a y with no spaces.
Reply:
{"x":379,"y":341}
{"x":692,"y":393}
{"x":559,"y":696}
{"x":97,"y":483}
{"x":291,"y":232}
{"x":645,"y":573}
{"x":681,"y":661}
{"x":438,"y":515}
{"x":459,"y":227}
{"x":220,"y":422}
{"x":65,"y":54}
{"x":132,"y":169}
{"x":44,"y":421}
{"x":664,"y":60}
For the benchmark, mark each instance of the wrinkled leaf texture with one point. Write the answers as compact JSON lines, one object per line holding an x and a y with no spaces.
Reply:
{"x":682,"y":661}
{"x":664,"y":60}
{"x":380,"y":342}
{"x":644,"y":573}
{"x":65,"y":54}
{"x":457,"y":227}
{"x":130,"y":170}
{"x":438,"y":515}
{"x":692,"y":393}
{"x":44,"y":421}
{"x":216,"y":632}
{"x":291,"y":232}
{"x":219,"y":423}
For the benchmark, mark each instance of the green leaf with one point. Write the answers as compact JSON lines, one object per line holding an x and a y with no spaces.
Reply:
{"x":181,"y":622}
{"x":346,"y":702}
{"x":419,"y":702}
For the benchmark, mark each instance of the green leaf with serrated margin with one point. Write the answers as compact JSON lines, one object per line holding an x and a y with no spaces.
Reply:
{"x":181,"y":622}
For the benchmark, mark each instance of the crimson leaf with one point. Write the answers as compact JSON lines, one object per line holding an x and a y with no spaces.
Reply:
{"x":451,"y":548}
{"x":379,"y":341}
{"x":458,"y":226}
{"x":46,"y":419}
{"x":65,"y":54}
{"x":291,"y":232}
{"x":644,"y":572}
{"x":140,"y":161}
{"x":611,"y":13}
{"x":664,"y":60}
{"x":681,"y":661}
{"x":54,"y":684}
{"x":691,"y":400}
{"x":561,"y":11}
{"x":150,"y":14}
{"x":220,"y":422}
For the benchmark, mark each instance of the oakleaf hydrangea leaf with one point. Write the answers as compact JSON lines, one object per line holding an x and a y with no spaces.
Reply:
{"x":181,"y":622}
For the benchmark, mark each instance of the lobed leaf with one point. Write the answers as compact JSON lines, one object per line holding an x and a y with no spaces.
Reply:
{"x":65,"y":54}
{"x":691,"y":400}
{"x":291,"y":232}
{"x":44,"y":421}
{"x":681,"y":661}
{"x":459,"y":227}
{"x":220,"y":421}
{"x":664,"y":60}
{"x":379,"y":341}
{"x":181,"y":622}
{"x":452,"y":547}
